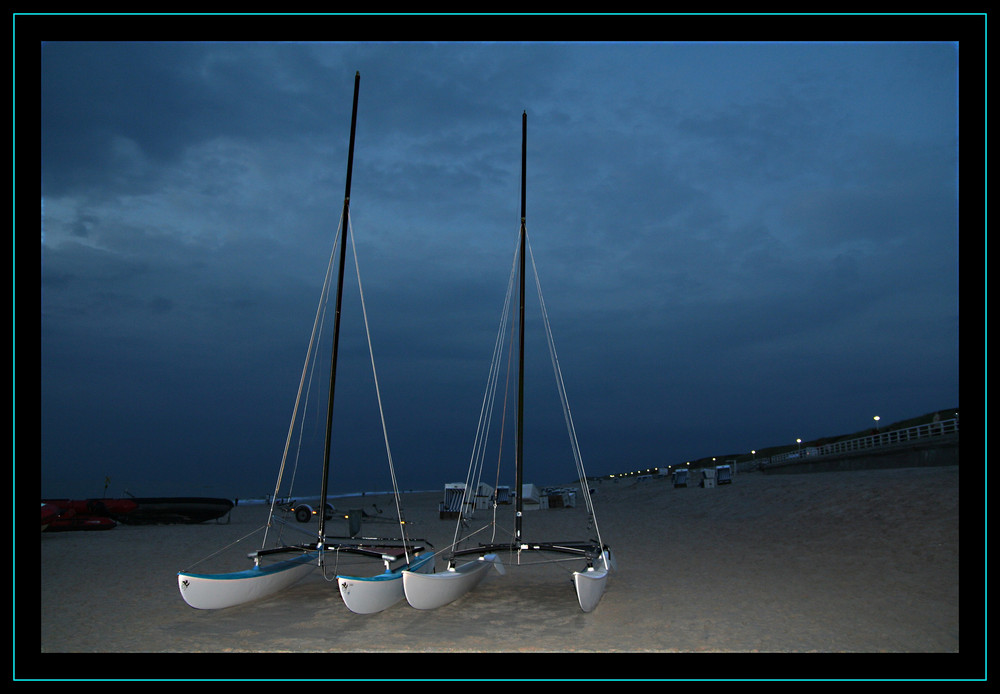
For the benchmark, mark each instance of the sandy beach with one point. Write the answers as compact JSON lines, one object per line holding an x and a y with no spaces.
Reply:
{"x":861,"y":562}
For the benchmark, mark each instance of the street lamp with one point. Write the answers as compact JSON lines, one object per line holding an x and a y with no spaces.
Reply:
{"x":799,"y":441}
{"x":876,"y":418}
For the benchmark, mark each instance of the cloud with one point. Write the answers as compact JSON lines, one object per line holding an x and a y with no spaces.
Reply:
{"x":737,"y":243}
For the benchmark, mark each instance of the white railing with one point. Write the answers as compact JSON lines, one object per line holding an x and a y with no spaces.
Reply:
{"x":895,"y":437}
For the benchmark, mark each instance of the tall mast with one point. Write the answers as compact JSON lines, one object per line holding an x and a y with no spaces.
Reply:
{"x":345,"y":221}
{"x":519,"y":456}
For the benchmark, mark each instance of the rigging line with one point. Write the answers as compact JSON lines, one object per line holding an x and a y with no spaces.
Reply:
{"x":312,"y":380}
{"x":495,"y":375}
{"x":486,"y":424}
{"x":561,"y":387}
{"x":325,"y":300}
{"x":302,"y":379}
{"x":503,"y":418}
{"x":558,"y":562}
{"x":336,"y":567}
{"x":560,"y":384}
{"x":312,"y":362}
{"x":571,"y":429}
{"x":486,"y":409}
{"x":378,"y":394}
{"x":223,"y":549}
{"x":465,"y":538}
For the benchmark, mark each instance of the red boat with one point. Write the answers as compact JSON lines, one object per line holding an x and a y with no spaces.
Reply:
{"x":49,"y":511}
{"x":60,"y":515}
{"x":71,"y":521}
{"x":147,"y":510}
{"x":107,"y":508}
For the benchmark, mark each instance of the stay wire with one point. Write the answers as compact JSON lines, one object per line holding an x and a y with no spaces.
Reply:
{"x":378,"y":394}
{"x":317,"y":323}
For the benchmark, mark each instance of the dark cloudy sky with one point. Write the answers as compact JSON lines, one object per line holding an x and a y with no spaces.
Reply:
{"x":739,"y":244}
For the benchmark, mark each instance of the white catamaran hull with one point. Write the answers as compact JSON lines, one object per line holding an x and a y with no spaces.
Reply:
{"x":367,"y":595}
{"x":590,"y":584}
{"x":216,"y":591}
{"x":430,"y":591}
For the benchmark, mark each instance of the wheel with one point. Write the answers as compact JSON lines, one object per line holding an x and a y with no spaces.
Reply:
{"x":328,"y":514}
{"x":303,"y":514}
